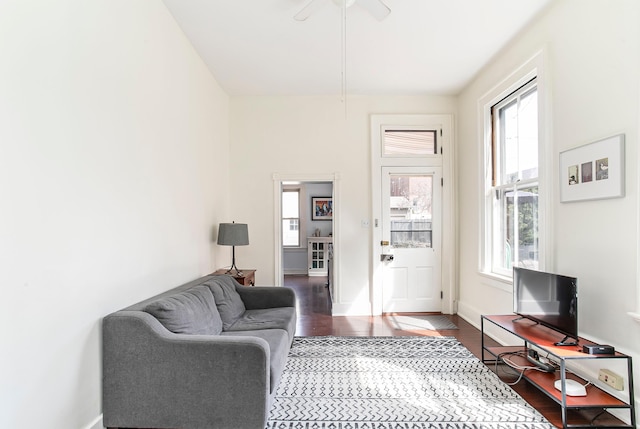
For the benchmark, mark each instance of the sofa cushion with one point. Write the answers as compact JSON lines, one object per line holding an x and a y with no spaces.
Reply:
{"x":268,"y":318}
{"x":192,"y":311}
{"x":228,"y":301}
{"x":278,"y":351}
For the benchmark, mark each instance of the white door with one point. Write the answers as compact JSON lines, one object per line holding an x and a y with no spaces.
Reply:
{"x":411,"y":239}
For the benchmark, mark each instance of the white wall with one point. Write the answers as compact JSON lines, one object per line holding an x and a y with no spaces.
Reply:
{"x":113,"y":175}
{"x":592,"y":65}
{"x":317,"y":190}
{"x":312,"y":135}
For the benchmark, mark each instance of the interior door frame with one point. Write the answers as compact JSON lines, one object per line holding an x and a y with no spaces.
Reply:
{"x":334,"y":179}
{"x":444,"y":125}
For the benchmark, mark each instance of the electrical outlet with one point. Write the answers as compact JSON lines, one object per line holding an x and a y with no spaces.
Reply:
{"x":612,"y":379}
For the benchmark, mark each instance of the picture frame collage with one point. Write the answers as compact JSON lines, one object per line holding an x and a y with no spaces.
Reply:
{"x":593,"y":171}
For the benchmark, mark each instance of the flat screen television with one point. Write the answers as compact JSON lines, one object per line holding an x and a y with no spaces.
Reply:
{"x":549,"y":299}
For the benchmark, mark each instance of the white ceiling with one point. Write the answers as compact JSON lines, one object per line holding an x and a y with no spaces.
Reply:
{"x":255,"y":47}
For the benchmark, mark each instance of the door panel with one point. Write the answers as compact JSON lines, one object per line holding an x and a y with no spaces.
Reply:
{"x":424,"y":276}
{"x":411,"y":234}
{"x":398,"y":283}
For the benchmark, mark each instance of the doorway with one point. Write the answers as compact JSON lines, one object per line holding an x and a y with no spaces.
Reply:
{"x":404,"y":147}
{"x":306,"y":242}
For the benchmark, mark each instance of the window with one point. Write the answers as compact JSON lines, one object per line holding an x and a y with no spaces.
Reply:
{"x":291,"y":217}
{"x":512,"y":197}
{"x":409,"y":143}
{"x":410,"y":208}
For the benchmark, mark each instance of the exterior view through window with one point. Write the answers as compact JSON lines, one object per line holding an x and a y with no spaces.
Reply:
{"x":410,"y":210}
{"x":514,"y":192}
{"x":291,"y":217}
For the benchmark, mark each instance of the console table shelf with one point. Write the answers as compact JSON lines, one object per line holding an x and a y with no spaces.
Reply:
{"x":543,"y":338}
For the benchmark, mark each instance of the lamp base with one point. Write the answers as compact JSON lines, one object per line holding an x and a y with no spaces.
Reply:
{"x":234,"y":271}
{"x":233,"y":264}
{"x":247,"y":277}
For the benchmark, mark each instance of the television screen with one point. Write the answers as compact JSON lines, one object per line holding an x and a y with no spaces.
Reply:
{"x":549,"y":299}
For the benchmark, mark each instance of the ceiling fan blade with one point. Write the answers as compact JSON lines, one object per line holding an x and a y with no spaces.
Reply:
{"x":308,"y":10}
{"x":377,"y":8}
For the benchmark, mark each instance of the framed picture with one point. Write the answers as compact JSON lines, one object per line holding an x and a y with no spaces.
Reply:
{"x":593,"y":171}
{"x":321,"y":208}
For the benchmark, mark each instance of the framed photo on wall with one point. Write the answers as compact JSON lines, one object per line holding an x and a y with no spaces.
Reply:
{"x":321,"y":208}
{"x":593,"y":171}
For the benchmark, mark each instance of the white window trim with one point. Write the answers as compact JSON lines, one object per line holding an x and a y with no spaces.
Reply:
{"x":534,"y":67}
{"x":635,"y":315}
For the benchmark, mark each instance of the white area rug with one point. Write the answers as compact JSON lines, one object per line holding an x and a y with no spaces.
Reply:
{"x":394,"y":383}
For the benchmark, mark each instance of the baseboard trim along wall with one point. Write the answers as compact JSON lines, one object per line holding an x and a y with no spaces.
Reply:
{"x":95,"y":423}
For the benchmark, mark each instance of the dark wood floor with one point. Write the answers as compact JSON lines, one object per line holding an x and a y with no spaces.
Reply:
{"x":315,"y":320}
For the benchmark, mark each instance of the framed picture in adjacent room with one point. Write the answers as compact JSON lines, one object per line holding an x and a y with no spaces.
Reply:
{"x":593,"y":171}
{"x":321,"y":208}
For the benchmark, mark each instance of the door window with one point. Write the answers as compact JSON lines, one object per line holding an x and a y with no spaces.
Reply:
{"x":410,"y":211}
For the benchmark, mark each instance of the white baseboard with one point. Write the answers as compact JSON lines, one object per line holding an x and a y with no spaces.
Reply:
{"x":95,"y":423}
{"x":353,"y":309}
{"x":469,"y":313}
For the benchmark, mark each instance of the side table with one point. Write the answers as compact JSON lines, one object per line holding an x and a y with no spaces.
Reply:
{"x":245,"y":277}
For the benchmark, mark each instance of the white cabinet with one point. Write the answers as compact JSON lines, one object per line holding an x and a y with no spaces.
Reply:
{"x":318,"y":255}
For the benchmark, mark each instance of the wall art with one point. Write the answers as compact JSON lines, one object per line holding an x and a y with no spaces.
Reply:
{"x":593,"y":171}
{"x":321,"y":208}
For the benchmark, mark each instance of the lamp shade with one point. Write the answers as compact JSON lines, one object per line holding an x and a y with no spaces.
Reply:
{"x":233,"y":234}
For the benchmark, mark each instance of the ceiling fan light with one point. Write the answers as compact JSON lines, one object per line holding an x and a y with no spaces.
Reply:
{"x":342,"y":3}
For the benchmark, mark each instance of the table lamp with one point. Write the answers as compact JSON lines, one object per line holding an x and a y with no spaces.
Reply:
{"x":233,"y":234}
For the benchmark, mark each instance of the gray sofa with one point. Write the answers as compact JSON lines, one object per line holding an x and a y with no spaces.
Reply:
{"x":207,"y":354}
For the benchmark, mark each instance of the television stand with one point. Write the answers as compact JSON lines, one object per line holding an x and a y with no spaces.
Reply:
{"x":565,"y":343}
{"x":544,"y":339}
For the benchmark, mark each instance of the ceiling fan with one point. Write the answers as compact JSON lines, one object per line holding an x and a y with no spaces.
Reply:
{"x":377,"y":8}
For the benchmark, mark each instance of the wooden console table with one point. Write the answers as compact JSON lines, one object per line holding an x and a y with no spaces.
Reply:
{"x":543,"y":338}
{"x":245,"y":277}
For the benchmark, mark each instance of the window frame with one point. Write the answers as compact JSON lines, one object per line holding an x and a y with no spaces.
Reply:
{"x":386,"y":157}
{"x":409,"y":153}
{"x":531,"y":70}
{"x":502,"y":185}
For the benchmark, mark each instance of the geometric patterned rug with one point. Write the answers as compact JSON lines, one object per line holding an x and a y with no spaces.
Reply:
{"x":413,"y":382}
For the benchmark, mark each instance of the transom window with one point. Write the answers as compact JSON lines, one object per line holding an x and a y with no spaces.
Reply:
{"x":409,"y":142}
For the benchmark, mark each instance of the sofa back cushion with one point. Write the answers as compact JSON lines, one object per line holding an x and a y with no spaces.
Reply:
{"x":192,"y":311}
{"x":228,"y":301}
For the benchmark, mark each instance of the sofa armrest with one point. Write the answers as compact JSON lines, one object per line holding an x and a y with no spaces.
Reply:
{"x":257,"y":297}
{"x":155,"y":378}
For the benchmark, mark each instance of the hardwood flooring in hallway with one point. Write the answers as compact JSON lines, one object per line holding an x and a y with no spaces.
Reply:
{"x":314,"y":319}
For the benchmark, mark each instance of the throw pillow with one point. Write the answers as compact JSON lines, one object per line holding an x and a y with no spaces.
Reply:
{"x":193,"y":311}
{"x":227,"y":299}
